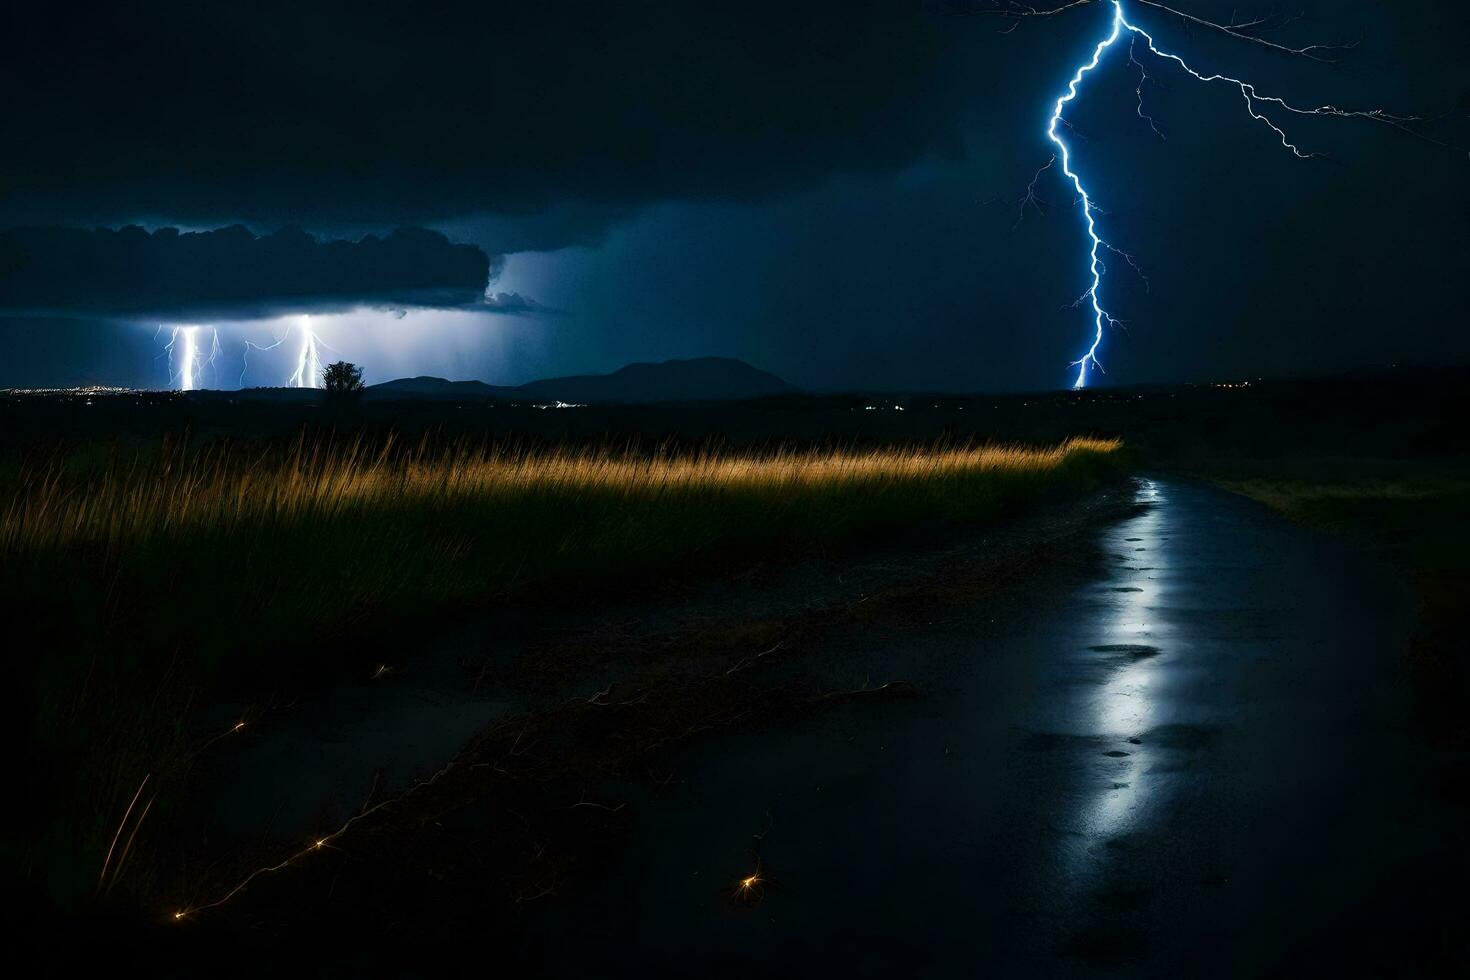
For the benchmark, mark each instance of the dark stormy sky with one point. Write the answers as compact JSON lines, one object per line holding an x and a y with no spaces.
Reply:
{"x":827,"y":190}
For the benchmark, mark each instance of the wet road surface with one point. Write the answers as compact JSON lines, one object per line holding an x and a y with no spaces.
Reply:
{"x":1198,"y":762}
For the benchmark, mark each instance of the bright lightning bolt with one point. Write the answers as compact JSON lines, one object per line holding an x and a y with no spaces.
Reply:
{"x":186,"y":372}
{"x":183,"y":348}
{"x":1255,"y":106}
{"x":308,"y":370}
{"x":308,"y":373}
{"x":1099,"y":315}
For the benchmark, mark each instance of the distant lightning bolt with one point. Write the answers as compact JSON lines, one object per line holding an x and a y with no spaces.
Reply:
{"x":245,"y":356}
{"x":308,"y":373}
{"x":187,"y":355}
{"x":183,"y":349}
{"x":213,"y":351}
{"x":1256,"y":105}
{"x":308,"y":370}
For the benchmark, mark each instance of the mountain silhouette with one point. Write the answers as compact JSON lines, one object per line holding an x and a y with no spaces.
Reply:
{"x":426,"y":386}
{"x":700,"y":379}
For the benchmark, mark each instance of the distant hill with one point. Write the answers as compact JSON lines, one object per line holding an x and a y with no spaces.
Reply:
{"x":697,"y":379}
{"x":425,"y":386}
{"x":290,"y":396}
{"x":694,"y":380}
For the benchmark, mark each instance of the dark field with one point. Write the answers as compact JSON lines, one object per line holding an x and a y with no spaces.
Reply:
{"x":1392,"y":415}
{"x":194,"y":572}
{"x":191,"y":572}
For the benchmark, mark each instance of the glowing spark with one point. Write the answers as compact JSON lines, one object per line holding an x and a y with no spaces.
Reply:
{"x":749,"y":889}
{"x":316,"y":845}
{"x":233,"y":729}
{"x":1255,"y":105}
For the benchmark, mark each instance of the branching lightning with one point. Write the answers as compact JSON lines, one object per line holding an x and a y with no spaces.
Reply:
{"x":308,"y":370}
{"x":188,"y":359}
{"x":184,"y":351}
{"x":308,"y":373}
{"x":1143,"y":79}
{"x":245,"y":356}
{"x":1257,"y":107}
{"x":1099,"y":315}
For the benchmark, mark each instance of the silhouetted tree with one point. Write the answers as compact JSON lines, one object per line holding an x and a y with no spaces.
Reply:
{"x":342,"y":379}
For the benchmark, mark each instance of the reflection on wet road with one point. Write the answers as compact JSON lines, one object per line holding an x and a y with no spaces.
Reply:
{"x":1119,"y":708}
{"x":1195,"y":761}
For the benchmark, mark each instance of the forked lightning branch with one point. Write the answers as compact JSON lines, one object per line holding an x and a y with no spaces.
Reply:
{"x":1260,"y":108}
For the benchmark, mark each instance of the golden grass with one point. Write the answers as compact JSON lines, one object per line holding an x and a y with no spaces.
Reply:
{"x":152,"y":583}
{"x":224,"y":489}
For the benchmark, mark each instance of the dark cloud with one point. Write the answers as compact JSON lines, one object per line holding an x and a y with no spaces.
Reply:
{"x":338,"y":115}
{"x":233,"y":274}
{"x":814,"y":187}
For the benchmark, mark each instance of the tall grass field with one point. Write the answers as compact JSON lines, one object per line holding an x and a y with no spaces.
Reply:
{"x":147,"y":582}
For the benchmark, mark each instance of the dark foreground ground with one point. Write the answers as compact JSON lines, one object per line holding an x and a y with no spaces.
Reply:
{"x":1038,"y":750}
{"x":1173,"y":738}
{"x":1192,"y":762}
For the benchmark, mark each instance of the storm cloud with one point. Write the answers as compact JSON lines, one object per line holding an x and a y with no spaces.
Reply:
{"x":336,"y":116}
{"x":230,"y":273}
{"x":827,"y":189}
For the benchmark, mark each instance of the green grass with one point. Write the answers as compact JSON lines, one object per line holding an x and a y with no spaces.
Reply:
{"x":1414,"y":513}
{"x":144,"y":584}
